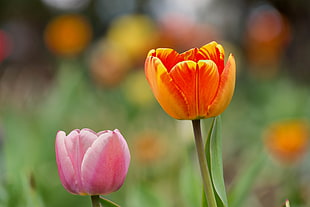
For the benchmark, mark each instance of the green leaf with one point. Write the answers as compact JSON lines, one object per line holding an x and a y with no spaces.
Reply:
{"x":213,"y":150}
{"x":142,"y":194}
{"x":107,"y":203}
{"x":190,"y":184}
{"x":245,"y":181}
{"x":204,"y":200}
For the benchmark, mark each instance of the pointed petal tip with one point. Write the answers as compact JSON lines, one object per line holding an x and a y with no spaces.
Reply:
{"x":231,"y":63}
{"x":117,"y":131}
{"x":151,"y":53}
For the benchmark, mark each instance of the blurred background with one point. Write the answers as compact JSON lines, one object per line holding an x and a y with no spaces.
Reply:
{"x":67,"y":64}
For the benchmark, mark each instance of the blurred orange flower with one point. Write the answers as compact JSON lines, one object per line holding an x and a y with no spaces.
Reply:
{"x":266,"y":38}
{"x":149,"y":148}
{"x":68,"y":35}
{"x":108,"y":68}
{"x":193,"y":85}
{"x":287,"y":141}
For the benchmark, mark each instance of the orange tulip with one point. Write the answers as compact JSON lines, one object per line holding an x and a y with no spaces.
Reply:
{"x":287,"y":141}
{"x":193,"y":85}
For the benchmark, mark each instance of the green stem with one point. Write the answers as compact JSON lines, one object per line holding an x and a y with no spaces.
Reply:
{"x":206,"y":178}
{"x":95,"y":201}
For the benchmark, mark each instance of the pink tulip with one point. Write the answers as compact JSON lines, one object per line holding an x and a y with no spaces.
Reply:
{"x":92,"y":163}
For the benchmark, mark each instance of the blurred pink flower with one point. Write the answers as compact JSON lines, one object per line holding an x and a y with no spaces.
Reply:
{"x":92,"y":163}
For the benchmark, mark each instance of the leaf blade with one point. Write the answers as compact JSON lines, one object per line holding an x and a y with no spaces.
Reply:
{"x":107,"y":203}
{"x":213,"y":150}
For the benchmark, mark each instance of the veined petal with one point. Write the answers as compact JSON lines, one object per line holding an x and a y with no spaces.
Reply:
{"x":183,"y":77}
{"x":168,"y":57}
{"x":65,"y":167}
{"x":169,"y":96}
{"x":193,"y":54}
{"x":72,"y":143}
{"x":105,"y":164}
{"x":226,"y":88}
{"x":207,"y":84}
{"x":215,"y":52}
{"x":87,"y":137}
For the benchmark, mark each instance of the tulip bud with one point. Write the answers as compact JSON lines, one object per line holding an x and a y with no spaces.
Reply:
{"x":92,"y":163}
{"x":193,"y":85}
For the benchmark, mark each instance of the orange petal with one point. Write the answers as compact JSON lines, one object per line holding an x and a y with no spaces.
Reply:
{"x":226,"y":88}
{"x":168,"y":57}
{"x":208,"y":82}
{"x":152,"y":52}
{"x":184,"y":77}
{"x":215,"y":52}
{"x":193,"y":54}
{"x":165,"y":91}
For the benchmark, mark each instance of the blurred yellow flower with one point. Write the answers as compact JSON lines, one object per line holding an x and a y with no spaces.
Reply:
{"x":68,"y":35}
{"x":136,"y":34}
{"x":137,"y":90}
{"x":287,"y":141}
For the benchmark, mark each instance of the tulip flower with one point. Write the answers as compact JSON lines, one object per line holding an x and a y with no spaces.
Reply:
{"x":92,"y":163}
{"x":287,"y":141}
{"x":193,"y":85}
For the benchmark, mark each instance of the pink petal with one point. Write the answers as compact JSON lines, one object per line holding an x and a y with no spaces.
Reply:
{"x":87,"y":137}
{"x":65,"y":168}
{"x":105,"y":164}
{"x":72,"y":143}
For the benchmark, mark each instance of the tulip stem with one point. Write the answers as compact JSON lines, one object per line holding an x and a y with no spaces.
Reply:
{"x":95,"y":201}
{"x":206,"y":178}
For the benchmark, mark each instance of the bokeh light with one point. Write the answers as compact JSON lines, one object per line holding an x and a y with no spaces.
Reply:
{"x":136,"y":34}
{"x":179,"y":32}
{"x":66,"y":4}
{"x":267,"y":36}
{"x":288,"y":141}
{"x":61,"y":60}
{"x":108,"y":63}
{"x":68,"y":35}
{"x":108,"y":10}
{"x":150,"y":148}
{"x":5,"y":45}
{"x":23,"y":40}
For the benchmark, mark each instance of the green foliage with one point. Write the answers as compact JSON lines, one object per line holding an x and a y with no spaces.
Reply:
{"x":243,"y":185}
{"x":107,"y":203}
{"x":28,"y":169}
{"x":213,"y":150}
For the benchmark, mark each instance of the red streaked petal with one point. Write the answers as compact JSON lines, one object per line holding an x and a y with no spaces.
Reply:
{"x":208,"y":82}
{"x":193,"y":54}
{"x":226,"y":88}
{"x":215,"y":52}
{"x":168,"y":57}
{"x":152,"y":52}
{"x":184,"y":77}
{"x":169,"y":96}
